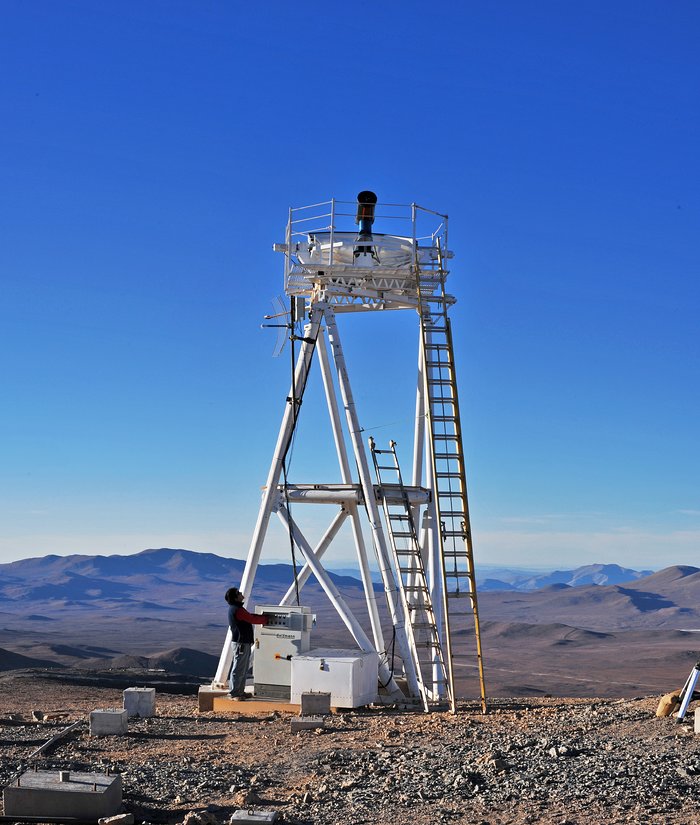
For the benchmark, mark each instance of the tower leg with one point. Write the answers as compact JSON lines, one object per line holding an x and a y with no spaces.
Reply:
{"x":270,"y":491}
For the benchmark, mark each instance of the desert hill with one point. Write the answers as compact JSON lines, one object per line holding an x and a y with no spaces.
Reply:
{"x":669,"y":598}
{"x":15,"y":661}
{"x":157,"y":578}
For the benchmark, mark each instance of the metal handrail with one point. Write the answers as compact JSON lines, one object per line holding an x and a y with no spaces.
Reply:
{"x":324,"y":216}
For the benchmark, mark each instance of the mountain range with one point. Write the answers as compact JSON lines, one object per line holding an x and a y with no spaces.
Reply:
{"x":596,"y":630}
{"x":602,"y":574}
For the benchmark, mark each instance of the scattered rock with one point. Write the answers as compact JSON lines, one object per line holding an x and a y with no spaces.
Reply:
{"x":252,"y":797}
{"x":200,"y":818}
{"x":119,"y":819}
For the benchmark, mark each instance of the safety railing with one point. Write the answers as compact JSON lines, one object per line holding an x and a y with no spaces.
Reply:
{"x":328,"y":227}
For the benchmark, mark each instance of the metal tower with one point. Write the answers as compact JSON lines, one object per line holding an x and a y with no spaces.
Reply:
{"x":423,"y":544}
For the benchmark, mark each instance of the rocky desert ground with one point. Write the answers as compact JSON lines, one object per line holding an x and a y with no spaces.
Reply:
{"x":539,"y":760}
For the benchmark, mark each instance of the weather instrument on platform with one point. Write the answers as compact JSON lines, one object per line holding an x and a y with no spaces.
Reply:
{"x":415,"y":529}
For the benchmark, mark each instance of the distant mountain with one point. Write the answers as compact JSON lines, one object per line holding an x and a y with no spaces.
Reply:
{"x":677,"y":574}
{"x":494,"y":584}
{"x":67,"y":585}
{"x":177,"y":660}
{"x":184,"y":660}
{"x":165,"y":562}
{"x":669,"y":598}
{"x":137,"y":580}
{"x":601,"y":574}
{"x":16,"y":661}
{"x":491,"y":577}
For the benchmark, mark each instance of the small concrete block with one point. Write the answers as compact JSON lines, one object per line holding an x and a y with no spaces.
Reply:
{"x":140,"y":702}
{"x":314,"y":703}
{"x":697,"y":720}
{"x":119,"y":819}
{"x":206,"y":696}
{"x":306,"y":723}
{"x":253,"y":817}
{"x":76,"y":795}
{"x":108,"y":722}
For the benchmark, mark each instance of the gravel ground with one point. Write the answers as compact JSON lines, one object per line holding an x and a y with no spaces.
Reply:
{"x":554,"y":760}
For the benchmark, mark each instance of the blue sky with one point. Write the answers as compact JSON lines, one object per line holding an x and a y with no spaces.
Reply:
{"x":150,"y":154}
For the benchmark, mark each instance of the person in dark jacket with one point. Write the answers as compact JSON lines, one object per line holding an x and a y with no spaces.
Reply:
{"x":241,"y":623}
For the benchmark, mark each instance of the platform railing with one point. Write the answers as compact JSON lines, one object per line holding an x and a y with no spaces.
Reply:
{"x":424,"y":227}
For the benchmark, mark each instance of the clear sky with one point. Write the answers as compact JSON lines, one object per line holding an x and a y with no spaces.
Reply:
{"x":150,"y":151}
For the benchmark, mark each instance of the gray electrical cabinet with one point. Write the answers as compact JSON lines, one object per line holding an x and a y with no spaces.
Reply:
{"x":287,"y":634}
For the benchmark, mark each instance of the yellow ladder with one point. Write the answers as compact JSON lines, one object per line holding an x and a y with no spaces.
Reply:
{"x":449,"y":475}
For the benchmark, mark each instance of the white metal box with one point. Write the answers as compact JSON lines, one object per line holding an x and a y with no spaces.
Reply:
{"x":350,"y":676}
{"x":287,"y":634}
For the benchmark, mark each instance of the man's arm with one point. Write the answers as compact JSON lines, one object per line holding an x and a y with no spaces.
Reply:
{"x":254,"y":618}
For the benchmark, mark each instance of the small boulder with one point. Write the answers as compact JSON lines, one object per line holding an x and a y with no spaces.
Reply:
{"x":668,"y":703}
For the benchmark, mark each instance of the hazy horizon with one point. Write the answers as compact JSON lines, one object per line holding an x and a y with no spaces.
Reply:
{"x":349,"y":564}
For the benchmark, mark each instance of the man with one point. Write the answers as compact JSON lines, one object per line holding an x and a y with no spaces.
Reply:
{"x":241,"y":623}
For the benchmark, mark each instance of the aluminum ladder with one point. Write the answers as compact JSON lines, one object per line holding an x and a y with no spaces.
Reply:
{"x":448,"y":468}
{"x":421,"y":627}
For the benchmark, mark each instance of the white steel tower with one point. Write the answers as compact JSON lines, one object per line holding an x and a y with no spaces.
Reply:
{"x":420,"y":529}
